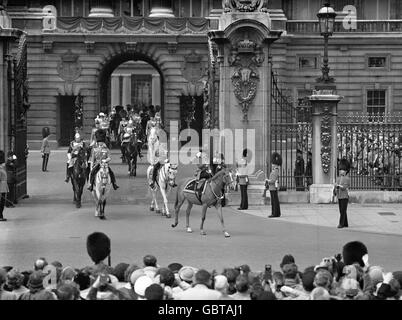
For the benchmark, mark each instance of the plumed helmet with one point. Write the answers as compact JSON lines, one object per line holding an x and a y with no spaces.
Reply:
{"x":101,"y":115}
{"x":98,"y":246}
{"x":344,"y":165}
{"x":100,"y":135}
{"x":276,"y":159}
{"x":353,"y":252}
{"x":77,"y":136}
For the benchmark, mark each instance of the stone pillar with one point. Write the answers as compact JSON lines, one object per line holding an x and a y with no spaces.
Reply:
{"x":156,"y":89}
{"x":115,"y":90}
{"x":126,"y":90}
{"x":324,"y":144}
{"x":101,"y":9}
{"x":161,"y":9}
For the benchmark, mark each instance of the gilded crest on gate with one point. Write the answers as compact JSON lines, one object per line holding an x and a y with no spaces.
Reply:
{"x":194,"y":69}
{"x":69,"y":67}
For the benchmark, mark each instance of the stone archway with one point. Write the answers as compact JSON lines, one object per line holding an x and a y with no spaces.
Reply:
{"x":113,"y":62}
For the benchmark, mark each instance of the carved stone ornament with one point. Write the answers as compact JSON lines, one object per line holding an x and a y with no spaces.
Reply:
{"x":245,"y":82}
{"x":326,"y":140}
{"x":246,"y":56}
{"x":245,"y":5}
{"x":69,"y":67}
{"x":194,"y":69}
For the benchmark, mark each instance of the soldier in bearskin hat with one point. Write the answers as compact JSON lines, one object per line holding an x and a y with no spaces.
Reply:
{"x":45,"y":148}
{"x":99,"y":248}
{"x":273,"y":185}
{"x":341,"y":191}
{"x":299,"y":171}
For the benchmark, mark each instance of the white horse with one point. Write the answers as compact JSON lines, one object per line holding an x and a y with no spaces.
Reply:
{"x":101,"y":190}
{"x":165,"y":180}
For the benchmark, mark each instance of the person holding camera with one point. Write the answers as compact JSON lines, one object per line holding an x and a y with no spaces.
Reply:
{"x":341,"y":191}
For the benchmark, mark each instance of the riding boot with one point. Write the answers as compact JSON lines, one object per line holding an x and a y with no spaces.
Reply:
{"x":67,"y":174}
{"x":113,"y":178}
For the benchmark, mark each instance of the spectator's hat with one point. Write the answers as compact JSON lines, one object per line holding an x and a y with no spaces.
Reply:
{"x":276,"y":159}
{"x":135,"y":275}
{"x":15,"y":278}
{"x":221,"y":282}
{"x":287,"y":259}
{"x":187,"y":274}
{"x":142,"y":284}
{"x":344,"y":165}
{"x":98,"y":246}
{"x":353,"y":252}
{"x":36,"y":280}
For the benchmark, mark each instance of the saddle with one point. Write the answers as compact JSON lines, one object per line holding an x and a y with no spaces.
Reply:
{"x":197,"y":187}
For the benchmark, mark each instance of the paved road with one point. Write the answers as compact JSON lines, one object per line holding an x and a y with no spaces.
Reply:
{"x":48,"y":225}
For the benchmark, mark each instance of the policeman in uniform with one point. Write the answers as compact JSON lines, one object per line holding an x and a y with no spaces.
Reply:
{"x":100,"y":152}
{"x":73,"y":150}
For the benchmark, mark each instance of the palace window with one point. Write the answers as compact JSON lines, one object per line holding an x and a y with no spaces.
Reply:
{"x":376,"y":102}
{"x":307,"y":62}
{"x":71,"y":8}
{"x":377,"y":62}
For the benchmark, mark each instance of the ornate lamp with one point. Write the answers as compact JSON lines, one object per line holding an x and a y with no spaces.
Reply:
{"x":326,"y":17}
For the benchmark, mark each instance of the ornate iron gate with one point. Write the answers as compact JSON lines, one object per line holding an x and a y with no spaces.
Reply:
{"x":20,"y":106}
{"x":291,"y":131}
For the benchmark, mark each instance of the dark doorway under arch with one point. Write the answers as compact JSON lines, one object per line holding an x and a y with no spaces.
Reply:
{"x":113,"y":64}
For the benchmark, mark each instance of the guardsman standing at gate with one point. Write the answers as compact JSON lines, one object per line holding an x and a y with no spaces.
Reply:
{"x":273,"y":183}
{"x":299,"y":171}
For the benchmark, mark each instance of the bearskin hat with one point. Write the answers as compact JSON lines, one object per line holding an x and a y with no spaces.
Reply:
{"x":276,"y":159}
{"x":344,"y":165}
{"x":353,"y":252}
{"x":98,"y":246}
{"x":45,"y":132}
{"x":100,"y":135}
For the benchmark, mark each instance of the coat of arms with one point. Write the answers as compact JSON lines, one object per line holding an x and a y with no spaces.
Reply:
{"x":69,"y":67}
{"x":194,"y":69}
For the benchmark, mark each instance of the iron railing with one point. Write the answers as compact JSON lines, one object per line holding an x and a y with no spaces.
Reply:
{"x":373,"y":145}
{"x":290,"y":131}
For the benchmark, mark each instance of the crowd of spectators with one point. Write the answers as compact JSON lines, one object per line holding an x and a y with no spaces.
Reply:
{"x":346,"y":276}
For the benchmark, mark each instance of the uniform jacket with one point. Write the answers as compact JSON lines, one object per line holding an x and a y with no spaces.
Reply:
{"x":3,"y":179}
{"x":343,"y":192}
{"x":45,"y":148}
{"x":274,"y":176}
{"x":73,"y":149}
{"x":100,"y":152}
{"x":242,"y":171}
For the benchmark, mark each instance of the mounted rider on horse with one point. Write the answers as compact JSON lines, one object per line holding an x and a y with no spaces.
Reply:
{"x":72,"y":153}
{"x":203,"y":172}
{"x":100,"y":152}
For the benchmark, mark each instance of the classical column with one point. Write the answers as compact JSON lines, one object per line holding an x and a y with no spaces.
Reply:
{"x":101,"y":9}
{"x":324,"y":144}
{"x":161,"y":8}
{"x":126,"y":89}
{"x":156,"y":89}
{"x":115,"y":90}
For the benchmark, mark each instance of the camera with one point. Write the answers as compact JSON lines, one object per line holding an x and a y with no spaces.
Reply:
{"x":268,"y":273}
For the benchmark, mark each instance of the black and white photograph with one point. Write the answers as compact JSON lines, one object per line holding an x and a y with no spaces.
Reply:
{"x":214,"y":150}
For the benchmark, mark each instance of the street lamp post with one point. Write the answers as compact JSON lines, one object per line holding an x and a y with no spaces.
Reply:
{"x":326,"y":17}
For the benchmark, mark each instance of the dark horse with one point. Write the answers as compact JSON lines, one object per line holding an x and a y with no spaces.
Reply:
{"x":130,"y":154}
{"x":79,"y":176}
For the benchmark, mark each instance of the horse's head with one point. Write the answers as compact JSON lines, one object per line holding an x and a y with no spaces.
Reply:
{"x":229,"y":178}
{"x":171,"y":173}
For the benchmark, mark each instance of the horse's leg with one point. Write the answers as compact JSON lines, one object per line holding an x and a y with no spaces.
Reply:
{"x":179,"y":203}
{"x":165,"y":208}
{"x":157,"y":210}
{"x":188,"y":211}
{"x":152,"y":207}
{"x":204,"y":213}
{"x":220,"y":216}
